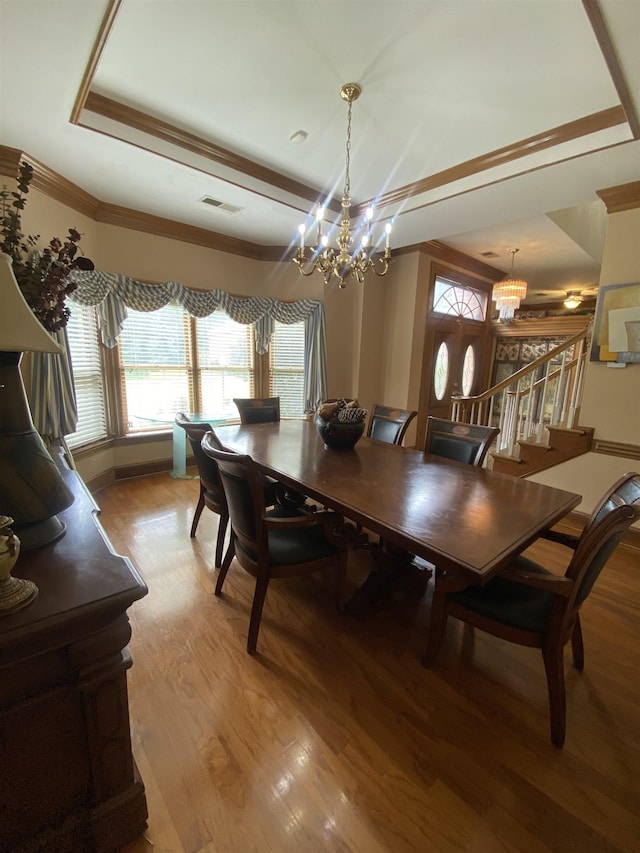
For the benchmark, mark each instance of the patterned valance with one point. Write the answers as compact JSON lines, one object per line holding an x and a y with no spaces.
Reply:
{"x":113,"y":293}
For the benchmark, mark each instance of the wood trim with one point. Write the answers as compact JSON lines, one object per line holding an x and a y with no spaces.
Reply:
{"x":108,"y":20}
{"x":615,"y":448}
{"x":123,"y":217}
{"x":622,"y":197}
{"x":453,"y":257}
{"x":551,"y":326}
{"x":159,"y":129}
{"x":49,"y":182}
{"x":575,"y":522}
{"x":605,"y":43}
{"x":593,"y":123}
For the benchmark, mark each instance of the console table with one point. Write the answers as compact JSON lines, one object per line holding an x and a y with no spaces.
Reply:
{"x":68,"y":780}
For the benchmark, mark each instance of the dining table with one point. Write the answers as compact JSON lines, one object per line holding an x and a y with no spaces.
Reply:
{"x":468,"y":522}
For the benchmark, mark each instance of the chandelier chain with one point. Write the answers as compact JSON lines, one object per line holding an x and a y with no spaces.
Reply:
{"x":347,"y":179}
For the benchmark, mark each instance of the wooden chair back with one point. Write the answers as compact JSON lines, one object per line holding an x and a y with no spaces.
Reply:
{"x":389,"y":424}
{"x":258,"y":410}
{"x":283,"y":542}
{"x":468,"y":443}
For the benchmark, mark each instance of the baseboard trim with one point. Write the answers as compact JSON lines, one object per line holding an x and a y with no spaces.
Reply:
{"x":575,"y":522}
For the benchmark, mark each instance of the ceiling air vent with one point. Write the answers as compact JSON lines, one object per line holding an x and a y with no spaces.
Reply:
{"x":223,"y":206}
{"x":489,"y":254}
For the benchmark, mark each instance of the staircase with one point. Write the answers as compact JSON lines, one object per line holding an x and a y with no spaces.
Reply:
{"x":537,"y":410}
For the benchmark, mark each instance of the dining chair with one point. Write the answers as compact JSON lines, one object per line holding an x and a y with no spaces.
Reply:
{"x":258,"y":410}
{"x":531,"y":606}
{"x":211,"y":493}
{"x":389,"y":424}
{"x":462,"y":442}
{"x":266,"y":410}
{"x":280,"y":543}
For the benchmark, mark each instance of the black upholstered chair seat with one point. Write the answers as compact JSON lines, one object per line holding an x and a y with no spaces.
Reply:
{"x":510,"y":603}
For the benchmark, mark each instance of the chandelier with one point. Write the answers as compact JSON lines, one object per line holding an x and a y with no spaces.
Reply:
{"x":345,"y":261}
{"x":573,"y":299}
{"x":508,"y":293}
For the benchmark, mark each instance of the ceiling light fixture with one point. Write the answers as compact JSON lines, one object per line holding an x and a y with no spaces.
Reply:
{"x":342,"y":264}
{"x":508,"y":293}
{"x":573,"y":299}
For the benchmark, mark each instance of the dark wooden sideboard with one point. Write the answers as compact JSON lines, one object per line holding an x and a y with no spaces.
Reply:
{"x":68,"y":780}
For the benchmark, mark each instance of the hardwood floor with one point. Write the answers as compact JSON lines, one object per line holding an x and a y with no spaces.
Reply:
{"x":335,"y":738}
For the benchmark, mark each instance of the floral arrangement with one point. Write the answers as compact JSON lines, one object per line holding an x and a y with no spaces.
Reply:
{"x":41,"y":276}
{"x":342,"y":412}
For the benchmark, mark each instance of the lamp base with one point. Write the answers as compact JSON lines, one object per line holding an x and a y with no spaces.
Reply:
{"x":40,"y":533}
{"x":16,"y":593}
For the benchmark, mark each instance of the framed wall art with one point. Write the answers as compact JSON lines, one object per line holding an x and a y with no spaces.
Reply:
{"x":616,"y":332}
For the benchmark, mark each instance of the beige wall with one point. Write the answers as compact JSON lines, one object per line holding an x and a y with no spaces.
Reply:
{"x":611,"y":400}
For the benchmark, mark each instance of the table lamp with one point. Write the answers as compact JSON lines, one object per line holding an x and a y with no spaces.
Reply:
{"x":32,"y":489}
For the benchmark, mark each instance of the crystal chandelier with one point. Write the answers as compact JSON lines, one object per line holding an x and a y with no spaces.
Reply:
{"x":508,"y":293}
{"x":343,"y":262}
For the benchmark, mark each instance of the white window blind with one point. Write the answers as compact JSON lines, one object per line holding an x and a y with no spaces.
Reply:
{"x":82,"y":333}
{"x":155,"y":367}
{"x":286,"y":368}
{"x":225,"y":363}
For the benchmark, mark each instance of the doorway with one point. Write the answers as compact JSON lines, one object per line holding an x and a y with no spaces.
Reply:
{"x":458,"y":344}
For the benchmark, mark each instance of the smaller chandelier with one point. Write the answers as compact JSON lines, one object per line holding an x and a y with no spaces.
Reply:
{"x":573,"y":299}
{"x":345,"y":261}
{"x":508,"y":293}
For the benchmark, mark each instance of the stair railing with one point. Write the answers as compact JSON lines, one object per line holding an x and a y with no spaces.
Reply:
{"x":537,"y":396}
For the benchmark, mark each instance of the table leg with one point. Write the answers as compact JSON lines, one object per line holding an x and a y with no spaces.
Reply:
{"x":395,"y":570}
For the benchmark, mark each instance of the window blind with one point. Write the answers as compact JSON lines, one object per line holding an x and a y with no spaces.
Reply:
{"x":84,"y":346}
{"x":155,"y":367}
{"x":226,"y":366}
{"x":286,"y":368}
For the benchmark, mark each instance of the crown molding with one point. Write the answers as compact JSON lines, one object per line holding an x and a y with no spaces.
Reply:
{"x":603,"y":37}
{"x":158,"y":129}
{"x":123,"y":217}
{"x":594,"y":123}
{"x":49,"y":182}
{"x":623,"y":197}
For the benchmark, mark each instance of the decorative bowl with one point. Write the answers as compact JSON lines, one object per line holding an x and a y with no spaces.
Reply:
{"x":339,"y":436}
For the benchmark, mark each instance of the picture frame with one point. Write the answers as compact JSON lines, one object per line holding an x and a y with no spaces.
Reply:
{"x":616,"y":330}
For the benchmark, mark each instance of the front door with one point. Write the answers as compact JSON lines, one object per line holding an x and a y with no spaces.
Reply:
{"x":457,"y":352}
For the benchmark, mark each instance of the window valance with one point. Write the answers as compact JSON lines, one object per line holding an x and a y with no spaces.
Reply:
{"x":113,"y":293}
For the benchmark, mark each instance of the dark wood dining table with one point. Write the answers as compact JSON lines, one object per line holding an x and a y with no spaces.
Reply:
{"x":466,"y":521}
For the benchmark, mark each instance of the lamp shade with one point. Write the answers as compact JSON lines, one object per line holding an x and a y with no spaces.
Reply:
{"x":20,"y":329}
{"x":32,"y":489}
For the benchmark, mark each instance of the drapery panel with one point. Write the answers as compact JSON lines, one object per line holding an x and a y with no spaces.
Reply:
{"x":53,"y":396}
{"x":113,"y":293}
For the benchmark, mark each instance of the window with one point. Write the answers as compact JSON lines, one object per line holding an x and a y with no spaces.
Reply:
{"x":286,"y":368}
{"x":155,"y":367}
{"x":82,"y":333}
{"x":170,"y":362}
{"x":468,"y":371}
{"x":441,"y":371}
{"x":225,"y":353}
{"x":458,"y":300}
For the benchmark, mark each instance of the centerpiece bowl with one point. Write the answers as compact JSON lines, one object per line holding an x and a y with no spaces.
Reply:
{"x":340,"y":426}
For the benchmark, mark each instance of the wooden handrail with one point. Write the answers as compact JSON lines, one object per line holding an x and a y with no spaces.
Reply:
{"x":524,"y":371}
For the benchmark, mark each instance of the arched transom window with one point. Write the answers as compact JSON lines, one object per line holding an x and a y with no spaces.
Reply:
{"x":458,"y":300}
